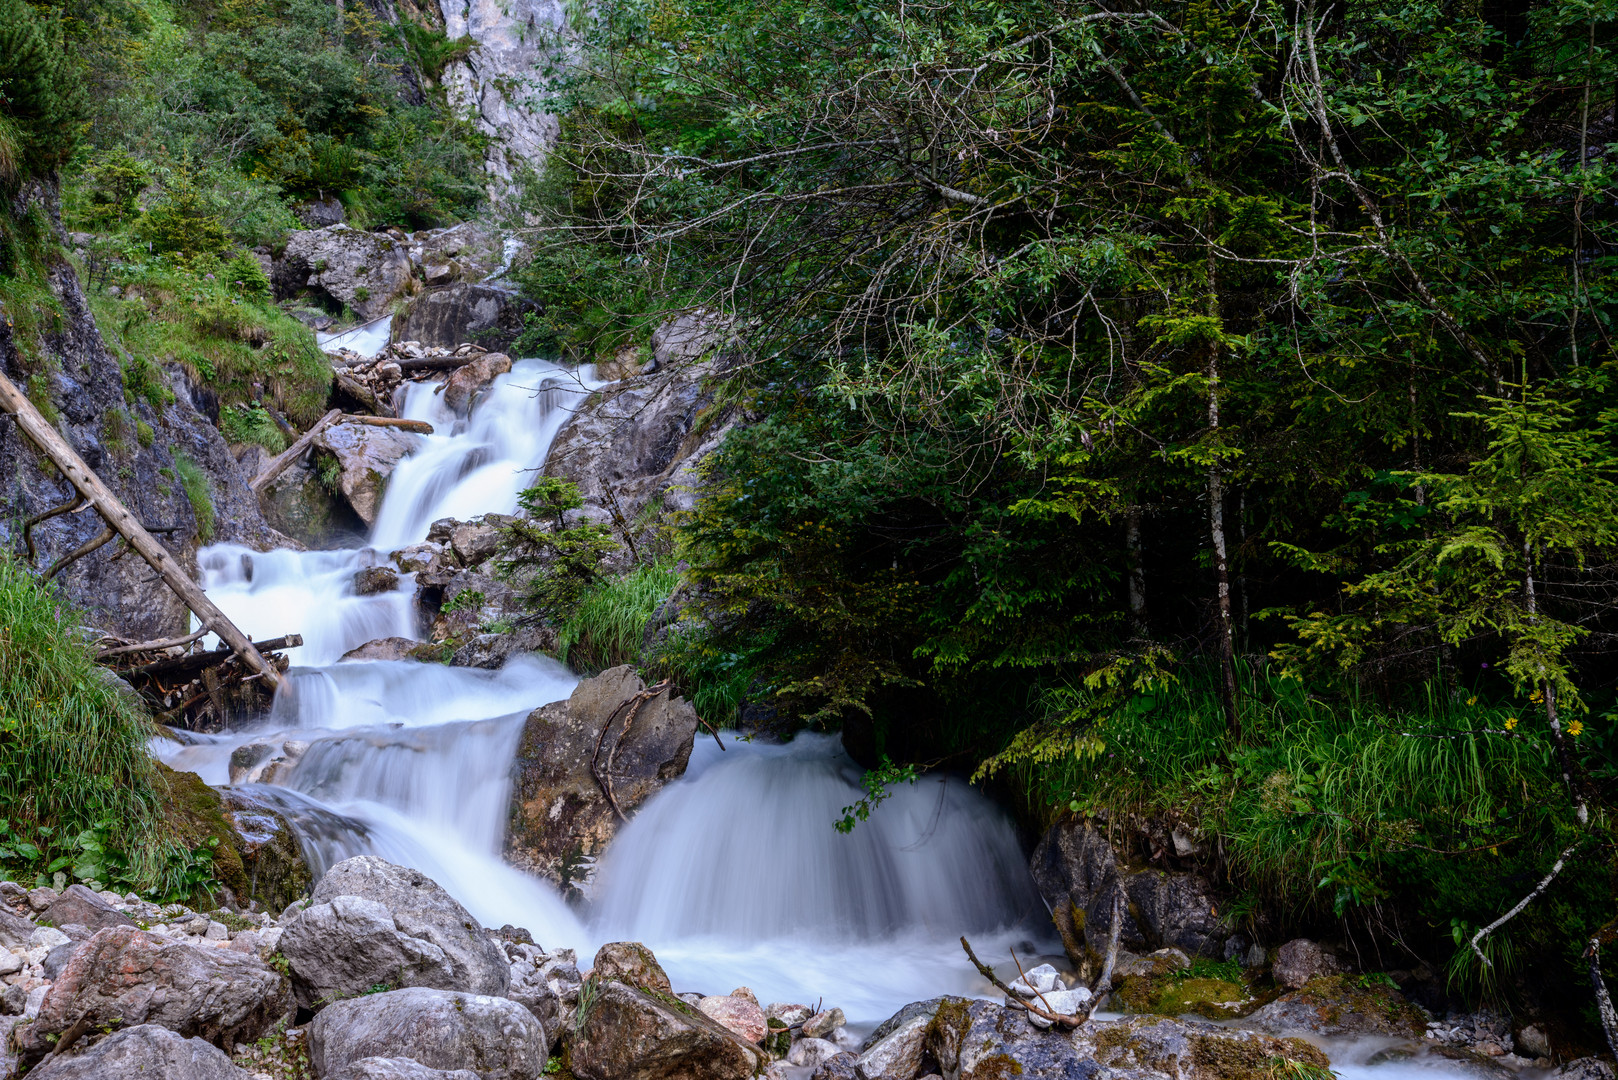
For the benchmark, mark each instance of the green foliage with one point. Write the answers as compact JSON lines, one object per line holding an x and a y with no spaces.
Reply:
{"x":877,"y":781}
{"x":246,"y":273}
{"x":608,"y":625}
{"x":42,"y":100}
{"x":183,"y":222}
{"x":433,"y":50}
{"x":78,"y":791}
{"x":251,"y":424}
{"x":557,"y":564}
{"x":198,"y":490}
{"x":112,"y":180}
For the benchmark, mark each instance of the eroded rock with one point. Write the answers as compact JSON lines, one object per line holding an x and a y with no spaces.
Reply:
{"x":144,"y":1052}
{"x":1299,"y":961}
{"x":1340,"y":1005}
{"x":633,"y":964}
{"x":382,"y":1068}
{"x":366,"y":457}
{"x":629,"y":1034}
{"x":559,"y":810}
{"x":471,"y":379}
{"x":363,"y":270}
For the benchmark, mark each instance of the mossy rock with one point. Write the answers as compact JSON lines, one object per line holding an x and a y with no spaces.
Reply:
{"x":255,"y":852}
{"x":1198,"y":1050}
{"x":1343,"y":1005}
{"x":1167,"y":995}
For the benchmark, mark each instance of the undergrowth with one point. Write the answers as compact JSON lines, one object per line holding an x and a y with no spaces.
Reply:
{"x":79,"y":794}
{"x":609,"y":624}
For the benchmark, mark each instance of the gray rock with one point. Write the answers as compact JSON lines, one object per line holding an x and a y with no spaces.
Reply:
{"x":627,"y":1034}
{"x":375,"y":579}
{"x":559,"y":810}
{"x":812,"y":1053}
{"x":975,"y":1040}
{"x":688,"y":337}
{"x":391,"y":648}
{"x":41,"y":898}
{"x":632,"y":964}
{"x":1340,"y":1006}
{"x":362,"y":270}
{"x":128,"y":976}
{"x":300,"y":505}
{"x":1589,"y":1068}
{"x":317,"y":213}
{"x":844,"y":1066}
{"x":1532,"y":1042}
{"x":823,"y":1023}
{"x":1061,"y":1002}
{"x":417,"y":558}
{"x":145,"y":1052}
{"x":897,"y":1049}
{"x":389,"y":1068}
{"x":445,"y":317}
{"x":474,"y":542}
{"x":423,"y":910}
{"x":366,"y":457}
{"x":496,"y":1038}
{"x":1300,"y":960}
{"x":14,"y":930}
{"x":57,"y":959}
{"x":467,"y":382}
{"x":1074,"y":864}
{"x":350,"y":945}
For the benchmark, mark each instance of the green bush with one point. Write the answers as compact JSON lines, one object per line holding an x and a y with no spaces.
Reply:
{"x":42,"y":101}
{"x":198,"y":492}
{"x":78,"y":791}
{"x":251,"y":424}
{"x":184,"y":221}
{"x":609,"y":623}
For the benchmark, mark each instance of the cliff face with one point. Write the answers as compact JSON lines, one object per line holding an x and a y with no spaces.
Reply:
{"x":150,"y":449}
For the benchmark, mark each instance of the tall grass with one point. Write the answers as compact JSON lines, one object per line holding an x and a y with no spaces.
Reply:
{"x":608,"y":626}
{"x":1326,"y":809}
{"x":76,"y":781}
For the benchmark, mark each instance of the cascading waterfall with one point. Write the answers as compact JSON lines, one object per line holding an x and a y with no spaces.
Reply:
{"x":733,"y":875}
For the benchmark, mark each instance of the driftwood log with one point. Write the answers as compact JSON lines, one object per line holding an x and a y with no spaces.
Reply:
{"x":278,"y":464}
{"x":118,"y":518}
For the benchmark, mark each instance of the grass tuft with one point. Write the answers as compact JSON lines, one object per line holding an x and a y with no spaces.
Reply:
{"x":609,"y":623}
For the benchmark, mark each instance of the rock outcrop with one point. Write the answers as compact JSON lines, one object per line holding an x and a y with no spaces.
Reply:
{"x":341,"y":266}
{"x":609,"y":732}
{"x":1340,"y":1005}
{"x":495,"y":1038}
{"x":629,"y":1034}
{"x":472,"y":379}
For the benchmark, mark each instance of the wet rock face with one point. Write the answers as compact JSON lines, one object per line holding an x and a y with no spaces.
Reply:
{"x":495,"y":1038}
{"x":560,"y":811}
{"x":73,"y":374}
{"x":124,"y":975}
{"x":145,"y":1052}
{"x":298,"y":504}
{"x":980,"y":1040}
{"x":1075,"y":865}
{"x":364,"y":271}
{"x":629,"y":1034}
{"x":472,"y":379}
{"x":1299,"y":961}
{"x":256,"y":853}
{"x":461,"y":311}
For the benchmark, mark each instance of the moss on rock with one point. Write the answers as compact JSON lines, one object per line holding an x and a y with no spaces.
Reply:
{"x":1169,"y":995}
{"x":255,"y":853}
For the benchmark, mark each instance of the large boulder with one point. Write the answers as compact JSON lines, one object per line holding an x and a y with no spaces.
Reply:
{"x":256,"y":853}
{"x":145,"y":1052}
{"x":897,"y":1049}
{"x":420,"y":909}
{"x":632,"y":964}
{"x":560,"y":811}
{"x":982,"y":1040}
{"x":1301,"y":960}
{"x":1341,"y":1005}
{"x":299,"y":504}
{"x":1145,"y":1047}
{"x":360,"y":270}
{"x":123,"y":975}
{"x":629,"y":1034}
{"x":350,"y":945}
{"x":366,"y":457}
{"x":1079,"y":874}
{"x":495,"y":1038}
{"x":471,"y":251}
{"x":486,"y":315}
{"x":473,"y":378}
{"x":80,"y":905}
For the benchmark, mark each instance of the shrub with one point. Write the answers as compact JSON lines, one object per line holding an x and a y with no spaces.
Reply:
{"x":42,"y":101}
{"x":251,"y":424}
{"x":198,"y":492}
{"x":609,"y":624}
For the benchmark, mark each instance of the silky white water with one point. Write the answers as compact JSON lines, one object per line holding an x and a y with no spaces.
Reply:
{"x":734,"y":875}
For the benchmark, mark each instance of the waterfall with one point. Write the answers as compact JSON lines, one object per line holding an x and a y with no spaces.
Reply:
{"x":733,"y":875}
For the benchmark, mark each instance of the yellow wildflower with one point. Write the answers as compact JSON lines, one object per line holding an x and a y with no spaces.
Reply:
{"x":1511,"y":723}
{"x":1471,"y":701}
{"x":1576,"y":728}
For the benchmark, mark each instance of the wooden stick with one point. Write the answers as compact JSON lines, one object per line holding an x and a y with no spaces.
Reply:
{"x":279,"y":463}
{"x":203,"y":660}
{"x":100,"y":539}
{"x":45,"y":515}
{"x":150,"y":646}
{"x":420,"y":427}
{"x":435,"y":363}
{"x":65,"y":458}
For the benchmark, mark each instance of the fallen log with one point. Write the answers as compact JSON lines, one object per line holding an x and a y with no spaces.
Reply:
{"x":420,"y":427}
{"x":278,"y":464}
{"x":434,"y":363}
{"x":362,"y":394}
{"x":150,"y":646}
{"x":66,"y":459}
{"x":184,"y":665}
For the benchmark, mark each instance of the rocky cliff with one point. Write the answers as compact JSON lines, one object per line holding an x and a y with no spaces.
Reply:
{"x":158,"y":451}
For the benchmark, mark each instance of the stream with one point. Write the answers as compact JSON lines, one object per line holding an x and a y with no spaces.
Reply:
{"x":734,"y":875}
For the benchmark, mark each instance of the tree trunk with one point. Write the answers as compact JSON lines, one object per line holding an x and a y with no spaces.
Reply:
{"x":1216,"y":530}
{"x":1135,"y":572}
